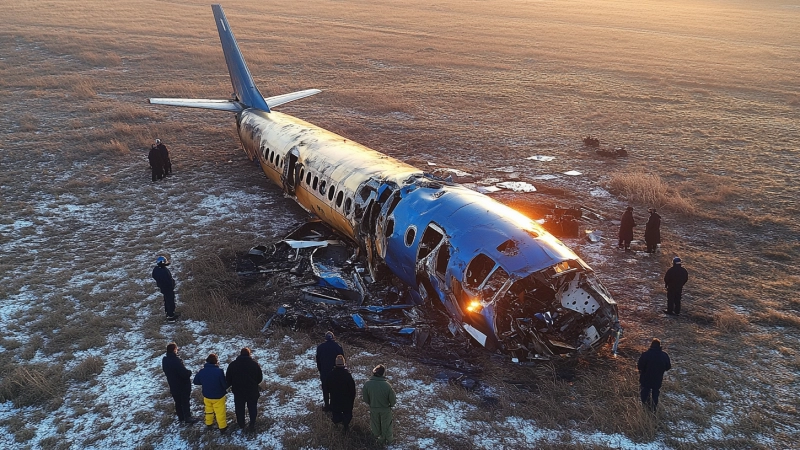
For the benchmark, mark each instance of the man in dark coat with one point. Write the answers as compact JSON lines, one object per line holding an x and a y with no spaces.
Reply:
{"x":163,"y":155}
{"x":215,"y":388}
{"x":166,"y":284}
{"x":156,"y":166}
{"x":652,"y":365}
{"x":379,"y":395}
{"x":343,"y":393}
{"x":626,"y":229}
{"x":652,"y":231}
{"x":180,"y":383}
{"x":326,"y":359}
{"x":243,"y":376}
{"x":674,"y":280}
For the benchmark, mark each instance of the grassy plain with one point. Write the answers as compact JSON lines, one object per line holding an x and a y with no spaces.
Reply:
{"x":703,"y":94}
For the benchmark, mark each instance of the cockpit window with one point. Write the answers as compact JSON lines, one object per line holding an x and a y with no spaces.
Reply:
{"x":430,"y":239}
{"x":477,"y":271}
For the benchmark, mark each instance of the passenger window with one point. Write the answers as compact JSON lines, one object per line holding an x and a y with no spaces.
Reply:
{"x":411,"y":233}
{"x":302,"y":173}
{"x":348,"y":204}
{"x":271,"y":156}
{"x":330,"y":192}
{"x":314,"y":185}
{"x":477,"y":271}
{"x":322,"y":187}
{"x":339,"y":198}
{"x":308,"y":178}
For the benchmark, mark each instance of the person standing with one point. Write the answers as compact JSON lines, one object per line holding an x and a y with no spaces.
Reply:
{"x":342,"y":388}
{"x":626,"y":229}
{"x":180,"y":384}
{"x":156,"y":167}
{"x":652,"y":231}
{"x":674,"y":280}
{"x":166,"y":284}
{"x":379,"y":395}
{"x":212,"y":378}
{"x":163,"y":155}
{"x":243,"y":376}
{"x":326,"y":359}
{"x":652,"y":365}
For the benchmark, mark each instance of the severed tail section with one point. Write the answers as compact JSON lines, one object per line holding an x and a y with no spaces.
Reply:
{"x":246,"y":94}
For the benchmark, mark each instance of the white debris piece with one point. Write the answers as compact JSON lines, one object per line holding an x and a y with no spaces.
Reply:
{"x":517,"y":186}
{"x":573,"y":173}
{"x":540,"y":158}
{"x":487,"y":189}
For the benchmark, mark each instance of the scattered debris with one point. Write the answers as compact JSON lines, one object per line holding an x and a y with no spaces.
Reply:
{"x":573,"y":173}
{"x":590,"y":141}
{"x":540,"y":158}
{"x":612,"y":153}
{"x":517,"y":186}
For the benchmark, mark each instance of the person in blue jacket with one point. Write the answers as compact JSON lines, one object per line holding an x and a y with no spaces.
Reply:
{"x":212,"y":378}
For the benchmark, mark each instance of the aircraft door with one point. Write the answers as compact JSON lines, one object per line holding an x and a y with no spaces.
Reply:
{"x":290,"y":171}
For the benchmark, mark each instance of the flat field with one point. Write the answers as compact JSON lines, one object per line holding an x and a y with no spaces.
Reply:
{"x":704,"y":95}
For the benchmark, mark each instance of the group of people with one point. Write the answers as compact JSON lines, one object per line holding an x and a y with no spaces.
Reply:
{"x":244,"y":376}
{"x":652,"y":230}
{"x":339,"y":391}
{"x":160,"y":164}
{"x":654,"y":362}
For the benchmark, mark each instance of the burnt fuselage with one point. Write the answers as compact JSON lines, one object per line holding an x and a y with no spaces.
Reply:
{"x":500,"y":277}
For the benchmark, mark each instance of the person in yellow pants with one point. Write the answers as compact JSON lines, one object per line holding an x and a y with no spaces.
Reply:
{"x":212,"y":378}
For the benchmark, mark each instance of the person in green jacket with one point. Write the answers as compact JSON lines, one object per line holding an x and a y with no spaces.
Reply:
{"x":379,"y":395}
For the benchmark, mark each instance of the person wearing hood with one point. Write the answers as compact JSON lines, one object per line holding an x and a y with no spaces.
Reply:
{"x":652,"y":365}
{"x":674,"y":280}
{"x":342,"y":389}
{"x":379,"y":395}
{"x":243,"y":376}
{"x":326,"y":359}
{"x":163,"y":155}
{"x":166,"y":283}
{"x":180,"y":385}
{"x":212,"y":378}
{"x":652,"y":231}
{"x":626,"y":229}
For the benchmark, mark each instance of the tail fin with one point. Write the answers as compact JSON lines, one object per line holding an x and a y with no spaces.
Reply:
{"x":243,"y":86}
{"x":244,"y":89}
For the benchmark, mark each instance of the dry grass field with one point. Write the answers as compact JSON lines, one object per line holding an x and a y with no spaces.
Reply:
{"x":704,"y":94}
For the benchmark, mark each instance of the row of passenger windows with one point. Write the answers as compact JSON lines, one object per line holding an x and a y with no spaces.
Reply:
{"x":273,"y":158}
{"x":321,"y":185}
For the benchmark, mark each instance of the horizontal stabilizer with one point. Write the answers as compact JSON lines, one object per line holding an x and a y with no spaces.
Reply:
{"x":220,"y":105}
{"x":290,"y":97}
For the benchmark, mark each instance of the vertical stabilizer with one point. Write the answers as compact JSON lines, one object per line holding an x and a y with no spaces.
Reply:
{"x":243,"y":85}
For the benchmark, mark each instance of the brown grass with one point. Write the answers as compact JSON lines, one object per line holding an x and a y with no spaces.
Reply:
{"x":32,"y":384}
{"x":87,"y":369}
{"x":650,"y":190}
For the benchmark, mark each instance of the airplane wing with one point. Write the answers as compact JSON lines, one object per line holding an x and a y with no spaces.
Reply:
{"x":290,"y":97}
{"x":221,"y":105}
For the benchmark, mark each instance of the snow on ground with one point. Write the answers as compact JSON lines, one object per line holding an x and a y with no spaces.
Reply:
{"x":122,"y":405}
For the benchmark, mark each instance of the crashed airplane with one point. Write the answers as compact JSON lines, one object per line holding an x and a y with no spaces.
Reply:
{"x":499,"y":276}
